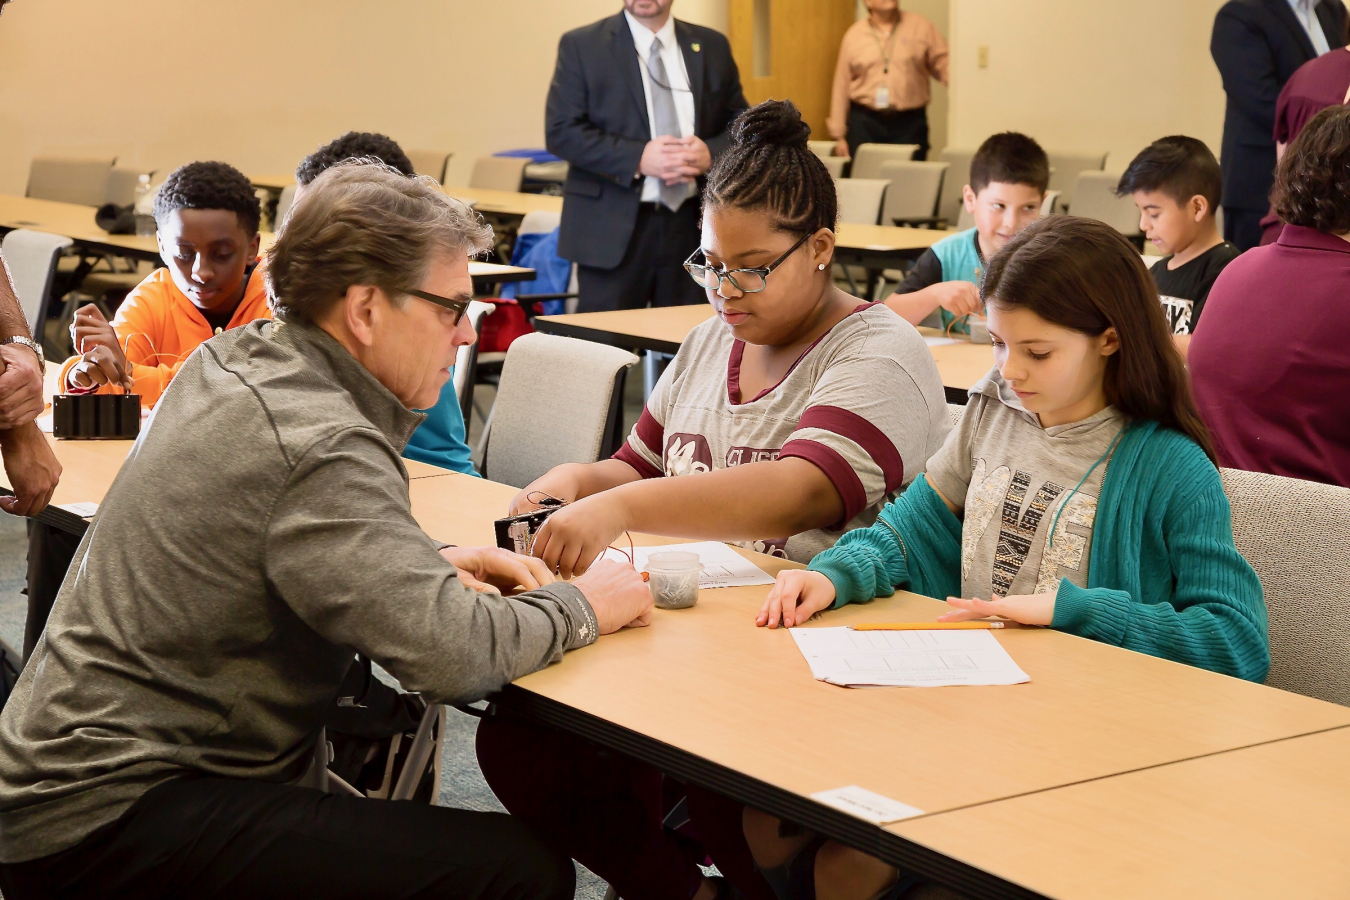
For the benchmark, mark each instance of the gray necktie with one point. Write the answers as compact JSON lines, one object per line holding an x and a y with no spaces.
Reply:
{"x":664,"y":119}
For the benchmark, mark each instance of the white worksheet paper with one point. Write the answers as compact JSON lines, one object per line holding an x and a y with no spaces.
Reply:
{"x":722,"y":566}
{"x":938,"y":341}
{"x":906,"y":658}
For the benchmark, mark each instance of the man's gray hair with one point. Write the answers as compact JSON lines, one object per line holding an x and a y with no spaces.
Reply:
{"x":363,"y":222}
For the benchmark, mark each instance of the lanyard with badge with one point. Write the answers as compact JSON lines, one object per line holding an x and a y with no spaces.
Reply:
{"x":883,"y":97}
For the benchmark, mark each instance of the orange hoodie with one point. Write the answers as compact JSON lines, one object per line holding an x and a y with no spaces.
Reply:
{"x":159,"y":327}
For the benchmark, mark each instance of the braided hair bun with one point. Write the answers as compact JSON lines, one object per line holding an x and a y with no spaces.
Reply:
{"x":773,"y":122}
{"x":769,"y":167}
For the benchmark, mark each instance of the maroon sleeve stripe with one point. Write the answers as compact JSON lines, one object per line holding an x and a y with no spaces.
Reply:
{"x":626,"y":454}
{"x":651,"y":432}
{"x":848,"y":424}
{"x":837,"y":469}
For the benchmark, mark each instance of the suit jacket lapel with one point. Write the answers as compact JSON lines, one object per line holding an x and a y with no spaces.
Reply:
{"x":626,"y":60}
{"x":693,"y":64}
{"x":1285,"y":14}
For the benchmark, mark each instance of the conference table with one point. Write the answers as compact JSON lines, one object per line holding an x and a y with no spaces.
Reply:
{"x":663,"y":329}
{"x":1110,"y":774}
{"x":77,"y":223}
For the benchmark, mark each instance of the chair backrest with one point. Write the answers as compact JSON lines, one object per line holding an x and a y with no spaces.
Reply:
{"x":1094,"y":197}
{"x":466,"y":358}
{"x":539,"y":221}
{"x":1066,"y":167}
{"x":122,"y":181}
{"x":70,"y":179}
{"x":957,"y":177}
{"x":835,"y":165}
{"x":284,"y":204}
{"x":860,"y":199}
{"x":31,"y":259}
{"x":1050,"y":205}
{"x":823,"y":149}
{"x":1294,"y":535}
{"x":868,"y":159}
{"x":498,"y":173}
{"x":914,"y":189}
{"x":541,"y":420}
{"x":429,"y":162}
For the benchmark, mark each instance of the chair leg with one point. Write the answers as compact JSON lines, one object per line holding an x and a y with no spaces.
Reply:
{"x":425,"y":742}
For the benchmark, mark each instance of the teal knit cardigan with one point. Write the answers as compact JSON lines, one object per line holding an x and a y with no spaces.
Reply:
{"x":1164,"y":577}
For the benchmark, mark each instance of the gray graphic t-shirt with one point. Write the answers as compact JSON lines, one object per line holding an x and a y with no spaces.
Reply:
{"x":1016,"y":478}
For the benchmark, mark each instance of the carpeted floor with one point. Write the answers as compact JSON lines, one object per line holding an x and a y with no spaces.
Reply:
{"x":462,"y":783}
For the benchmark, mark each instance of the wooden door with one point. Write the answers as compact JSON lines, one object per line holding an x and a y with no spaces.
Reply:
{"x":787,"y":50}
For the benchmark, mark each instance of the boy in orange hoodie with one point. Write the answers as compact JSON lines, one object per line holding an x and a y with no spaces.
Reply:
{"x":208,"y":216}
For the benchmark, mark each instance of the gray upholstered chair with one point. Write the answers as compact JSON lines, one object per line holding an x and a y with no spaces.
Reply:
{"x":913,"y":195}
{"x":559,"y":400}
{"x":868,"y":158}
{"x":498,"y":173}
{"x":1066,"y":167}
{"x":70,"y":179}
{"x":1296,"y":535}
{"x":957,"y":177}
{"x":860,"y":199}
{"x":429,"y":162}
{"x":31,"y":257}
{"x":1094,"y":197}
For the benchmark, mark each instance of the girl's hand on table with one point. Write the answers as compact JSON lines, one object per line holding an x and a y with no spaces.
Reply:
{"x":796,"y":596}
{"x":1028,"y":609}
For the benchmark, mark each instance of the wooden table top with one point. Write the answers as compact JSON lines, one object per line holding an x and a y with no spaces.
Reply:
{"x":852,"y":236}
{"x":708,"y":681}
{"x":1265,"y":821}
{"x":663,"y":329}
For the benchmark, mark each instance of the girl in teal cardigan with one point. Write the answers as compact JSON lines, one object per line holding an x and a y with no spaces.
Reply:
{"x":1078,"y":492}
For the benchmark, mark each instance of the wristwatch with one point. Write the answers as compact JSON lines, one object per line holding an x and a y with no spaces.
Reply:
{"x":31,"y":345}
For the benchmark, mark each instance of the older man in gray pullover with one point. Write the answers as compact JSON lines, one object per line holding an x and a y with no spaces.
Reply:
{"x":258,"y":534}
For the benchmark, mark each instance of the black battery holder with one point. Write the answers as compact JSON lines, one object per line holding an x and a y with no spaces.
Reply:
{"x":88,"y":417}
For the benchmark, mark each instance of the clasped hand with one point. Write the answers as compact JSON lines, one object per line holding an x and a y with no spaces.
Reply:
{"x":675,"y":160}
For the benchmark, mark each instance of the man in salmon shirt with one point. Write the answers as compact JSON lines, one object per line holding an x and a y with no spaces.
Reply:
{"x":208,"y":216}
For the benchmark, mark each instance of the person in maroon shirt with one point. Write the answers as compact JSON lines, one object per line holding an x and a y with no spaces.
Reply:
{"x":1315,"y":85}
{"x":1269,"y":363}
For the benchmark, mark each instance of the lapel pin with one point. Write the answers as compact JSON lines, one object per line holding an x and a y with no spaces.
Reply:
{"x":695,"y":48}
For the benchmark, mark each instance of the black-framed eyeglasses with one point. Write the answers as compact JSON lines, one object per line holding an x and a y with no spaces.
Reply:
{"x":747,"y":281}
{"x":458,"y":307}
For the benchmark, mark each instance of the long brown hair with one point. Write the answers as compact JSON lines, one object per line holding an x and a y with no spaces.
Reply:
{"x":1083,"y":275}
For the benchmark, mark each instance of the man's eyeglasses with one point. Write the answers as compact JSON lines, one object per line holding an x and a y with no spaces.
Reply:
{"x":747,"y":281}
{"x":458,"y":307}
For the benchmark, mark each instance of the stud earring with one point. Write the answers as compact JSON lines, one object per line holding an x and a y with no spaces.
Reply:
{"x":821,"y":267}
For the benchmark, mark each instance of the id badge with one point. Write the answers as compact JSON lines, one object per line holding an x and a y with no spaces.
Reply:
{"x":883,"y":100}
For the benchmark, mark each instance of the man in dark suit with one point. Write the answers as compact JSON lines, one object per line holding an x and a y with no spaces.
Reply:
{"x":1257,"y":45}
{"x":639,"y":107}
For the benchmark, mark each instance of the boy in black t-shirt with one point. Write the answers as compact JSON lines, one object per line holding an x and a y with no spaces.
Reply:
{"x":1176,"y":183}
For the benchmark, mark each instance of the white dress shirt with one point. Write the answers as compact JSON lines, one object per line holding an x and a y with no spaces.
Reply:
{"x":1306,"y":13}
{"x":679,"y":83}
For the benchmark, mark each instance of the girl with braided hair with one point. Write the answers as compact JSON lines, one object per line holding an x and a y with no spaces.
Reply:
{"x":794,"y":412}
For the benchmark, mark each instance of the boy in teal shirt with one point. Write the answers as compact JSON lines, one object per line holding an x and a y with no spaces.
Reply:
{"x":1008,"y":178}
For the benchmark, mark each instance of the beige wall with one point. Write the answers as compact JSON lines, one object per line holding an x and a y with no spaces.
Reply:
{"x":260,"y":83}
{"x":1085,"y":74}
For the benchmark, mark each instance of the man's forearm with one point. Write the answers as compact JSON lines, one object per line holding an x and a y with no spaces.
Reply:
{"x":12,"y":321}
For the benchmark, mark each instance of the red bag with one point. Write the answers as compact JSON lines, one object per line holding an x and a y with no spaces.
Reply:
{"x":502,"y":326}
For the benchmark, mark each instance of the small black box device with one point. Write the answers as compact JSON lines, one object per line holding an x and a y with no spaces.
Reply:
{"x":517,"y":533}
{"x":96,"y":416}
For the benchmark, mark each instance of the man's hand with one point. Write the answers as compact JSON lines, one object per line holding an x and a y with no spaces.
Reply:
{"x":32,"y":469}
{"x":492,"y":569}
{"x":1028,"y":609}
{"x":21,"y":399}
{"x":617,"y":594}
{"x":667,"y":158}
{"x":841,"y":148}
{"x":696,"y":154}
{"x":960,"y":298}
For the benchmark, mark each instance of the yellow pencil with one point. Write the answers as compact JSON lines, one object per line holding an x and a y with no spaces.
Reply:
{"x":925,"y":626}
